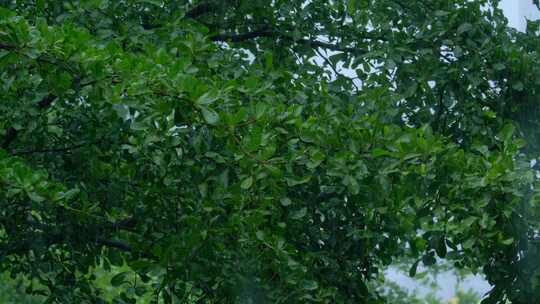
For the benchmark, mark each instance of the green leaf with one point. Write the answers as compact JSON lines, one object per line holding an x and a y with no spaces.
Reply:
{"x":377,"y":152}
{"x":310,"y":285}
{"x":6,"y":13}
{"x":428,"y":260}
{"x":467,"y":222}
{"x":506,"y":133}
{"x":246,"y":183}
{"x":499,"y":66}
{"x":115,"y":258}
{"x":207,"y":98}
{"x":352,"y":184}
{"x":468,"y":244}
{"x":154,"y":2}
{"x":299,"y":214}
{"x":441,"y":247}
{"x":210,"y":116}
{"x":440,"y":13}
{"x":35,"y":197}
{"x":414,"y":267}
{"x":70,"y":194}
{"x":509,"y":241}
{"x":269,"y":60}
{"x":40,"y":5}
{"x":465,"y":27}
{"x":119,"y":279}
{"x":518,"y":86}
{"x":286,"y":201}
{"x":291,"y":182}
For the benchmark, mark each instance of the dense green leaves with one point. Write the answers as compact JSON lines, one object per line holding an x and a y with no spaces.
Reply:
{"x":201,"y":148}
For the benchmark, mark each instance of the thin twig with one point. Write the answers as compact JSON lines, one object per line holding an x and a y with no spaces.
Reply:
{"x":335,"y":70}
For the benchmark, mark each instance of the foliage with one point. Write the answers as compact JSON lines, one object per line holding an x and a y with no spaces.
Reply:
{"x":199,"y":143}
{"x":467,"y":297}
{"x":426,"y":285}
{"x":12,"y":291}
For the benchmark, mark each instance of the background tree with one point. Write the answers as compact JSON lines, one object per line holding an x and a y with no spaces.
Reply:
{"x":200,"y":144}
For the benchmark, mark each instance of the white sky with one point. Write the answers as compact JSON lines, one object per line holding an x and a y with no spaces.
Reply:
{"x":517,"y":10}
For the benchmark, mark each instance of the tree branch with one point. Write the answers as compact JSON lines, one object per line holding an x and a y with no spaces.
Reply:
{"x":51,"y":150}
{"x":11,"y":134}
{"x":127,"y":223}
{"x":46,"y":101}
{"x":328,"y":62}
{"x":51,"y":239}
{"x":56,"y":238}
{"x":229,"y":37}
{"x":333,"y":47}
{"x":118,"y":244}
{"x":6,"y":47}
{"x":198,"y":10}
{"x":244,"y":36}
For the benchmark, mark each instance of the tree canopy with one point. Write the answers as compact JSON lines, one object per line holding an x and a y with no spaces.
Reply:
{"x":256,"y":151}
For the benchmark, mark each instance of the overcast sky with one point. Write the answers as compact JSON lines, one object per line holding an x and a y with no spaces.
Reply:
{"x":517,"y":10}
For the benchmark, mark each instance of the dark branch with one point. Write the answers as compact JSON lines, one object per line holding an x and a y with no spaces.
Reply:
{"x":244,"y":36}
{"x":46,"y":101}
{"x":275,"y":34}
{"x":51,"y":150}
{"x":121,"y":245}
{"x":113,"y":80}
{"x":6,"y":47}
{"x":198,"y":10}
{"x":333,"y":47}
{"x":334,"y":68}
{"x":11,"y":134}
{"x":127,"y":224}
{"x":57,"y":238}
{"x":51,"y":239}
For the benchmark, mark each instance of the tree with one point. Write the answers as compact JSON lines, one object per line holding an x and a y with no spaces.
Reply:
{"x":221,"y":150}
